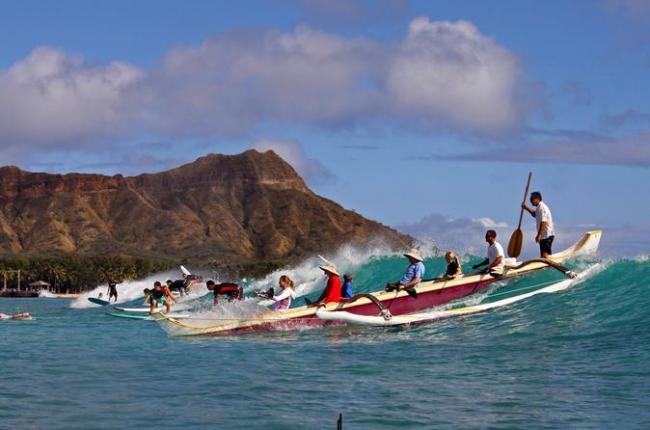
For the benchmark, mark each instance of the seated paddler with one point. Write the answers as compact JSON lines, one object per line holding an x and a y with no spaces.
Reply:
{"x":346,"y":290}
{"x":284,"y":298}
{"x":413,"y":275}
{"x":496,"y":258}
{"x":454,"y":268}
{"x":332,"y":291}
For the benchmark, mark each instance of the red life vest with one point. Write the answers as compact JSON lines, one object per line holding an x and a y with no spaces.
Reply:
{"x":230,"y":289}
{"x":333,"y":289}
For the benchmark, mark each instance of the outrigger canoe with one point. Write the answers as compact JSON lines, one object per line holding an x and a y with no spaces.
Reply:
{"x":429,"y":294}
{"x":388,"y":320}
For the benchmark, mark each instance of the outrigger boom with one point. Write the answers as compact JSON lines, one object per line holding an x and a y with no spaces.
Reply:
{"x":429,"y":294}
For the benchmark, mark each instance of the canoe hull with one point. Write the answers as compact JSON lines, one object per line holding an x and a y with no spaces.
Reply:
{"x":402,"y":304}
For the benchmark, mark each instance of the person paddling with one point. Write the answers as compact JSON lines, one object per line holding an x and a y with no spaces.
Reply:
{"x":231,"y":290}
{"x":454,"y":269}
{"x":20,"y":316}
{"x":346,"y":291}
{"x":413,"y":275}
{"x":285,"y":298}
{"x":495,"y":260}
{"x":332,"y":291}
{"x":544,"y":220}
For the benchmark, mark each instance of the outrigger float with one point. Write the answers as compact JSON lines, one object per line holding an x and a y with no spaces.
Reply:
{"x":429,"y":294}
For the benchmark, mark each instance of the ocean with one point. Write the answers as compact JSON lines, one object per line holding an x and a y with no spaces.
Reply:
{"x":573,"y":359}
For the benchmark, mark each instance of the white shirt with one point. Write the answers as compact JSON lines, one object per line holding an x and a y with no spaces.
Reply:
{"x":284,"y":299}
{"x":496,"y":250}
{"x":543,"y":213}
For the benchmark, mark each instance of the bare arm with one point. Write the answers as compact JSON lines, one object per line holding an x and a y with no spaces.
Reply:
{"x":529,"y":210}
{"x":482,"y":263}
{"x":412,"y":283}
{"x":497,"y":261}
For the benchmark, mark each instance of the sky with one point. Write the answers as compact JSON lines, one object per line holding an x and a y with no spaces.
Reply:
{"x":401,"y":110}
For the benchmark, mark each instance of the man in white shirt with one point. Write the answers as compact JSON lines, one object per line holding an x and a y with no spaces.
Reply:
{"x":544,"y":220}
{"x":495,"y":256}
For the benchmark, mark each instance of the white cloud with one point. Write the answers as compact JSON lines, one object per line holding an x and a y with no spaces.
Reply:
{"x":490,"y":223}
{"x":463,"y":235}
{"x":311,"y":170}
{"x":448,"y":72}
{"x":53,"y":97}
{"x":569,"y":146}
{"x":442,"y":74}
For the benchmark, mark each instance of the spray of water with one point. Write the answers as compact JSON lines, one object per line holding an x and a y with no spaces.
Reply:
{"x":133,"y":290}
{"x":309,"y":278}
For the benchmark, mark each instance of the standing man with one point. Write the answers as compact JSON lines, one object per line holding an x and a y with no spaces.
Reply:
{"x":112,"y":290}
{"x":544,"y":221}
{"x":495,"y":256}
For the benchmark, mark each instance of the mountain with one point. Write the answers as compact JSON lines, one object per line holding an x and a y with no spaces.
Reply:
{"x":241,"y":208}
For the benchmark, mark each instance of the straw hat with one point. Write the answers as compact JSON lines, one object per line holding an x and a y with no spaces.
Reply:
{"x":331,"y":268}
{"x":414,"y":254}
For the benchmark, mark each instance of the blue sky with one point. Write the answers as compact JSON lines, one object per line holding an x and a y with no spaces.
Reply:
{"x":397,"y":109}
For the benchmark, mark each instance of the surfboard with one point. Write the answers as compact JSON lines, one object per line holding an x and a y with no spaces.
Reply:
{"x":100,"y":302}
{"x":132,"y":310}
{"x":185,"y":271}
{"x":145,"y":317}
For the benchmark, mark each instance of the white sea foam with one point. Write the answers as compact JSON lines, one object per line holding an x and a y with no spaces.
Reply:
{"x":308,"y":277}
{"x":46,"y":294}
{"x":132,"y":290}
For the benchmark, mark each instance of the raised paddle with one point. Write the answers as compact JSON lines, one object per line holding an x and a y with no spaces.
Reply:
{"x":517,"y":238}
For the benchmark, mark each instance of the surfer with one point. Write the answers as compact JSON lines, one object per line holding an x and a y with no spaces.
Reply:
{"x":177,"y":285}
{"x":284,"y":299}
{"x":20,"y":316}
{"x":413,"y":275}
{"x":161,"y":295}
{"x":346,"y":291}
{"x":495,"y":260}
{"x":112,"y":290}
{"x":332,"y":291}
{"x":228,"y":289}
{"x":454,"y":269}
{"x":544,"y":221}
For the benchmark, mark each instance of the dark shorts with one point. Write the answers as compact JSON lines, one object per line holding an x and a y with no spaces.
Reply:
{"x":546,"y":244}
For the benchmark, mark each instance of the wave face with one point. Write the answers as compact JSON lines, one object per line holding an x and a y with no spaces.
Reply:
{"x":573,"y":359}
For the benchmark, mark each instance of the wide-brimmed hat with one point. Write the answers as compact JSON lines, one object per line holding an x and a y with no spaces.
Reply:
{"x":414,"y":254}
{"x":331,"y":268}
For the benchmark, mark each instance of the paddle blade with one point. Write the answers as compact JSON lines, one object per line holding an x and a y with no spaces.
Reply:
{"x":515,"y":244}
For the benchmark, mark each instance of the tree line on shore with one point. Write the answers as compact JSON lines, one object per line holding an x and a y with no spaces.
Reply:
{"x":74,"y":273}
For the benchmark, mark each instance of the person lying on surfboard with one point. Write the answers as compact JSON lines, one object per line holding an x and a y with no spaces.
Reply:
{"x":230,"y":290}
{"x":284,"y":299}
{"x":413,"y":275}
{"x":182,"y":286}
{"x":454,"y":269}
{"x":495,"y":260}
{"x":177,"y":285}
{"x":544,"y":221}
{"x":332,"y":291}
{"x":20,"y":316}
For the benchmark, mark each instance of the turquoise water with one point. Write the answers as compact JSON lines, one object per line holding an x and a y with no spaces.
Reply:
{"x":576,"y":359}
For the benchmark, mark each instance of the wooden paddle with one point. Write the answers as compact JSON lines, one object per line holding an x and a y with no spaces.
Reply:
{"x":517,"y":238}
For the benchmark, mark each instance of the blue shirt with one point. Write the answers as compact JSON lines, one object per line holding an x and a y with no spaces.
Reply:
{"x":415,"y":270}
{"x":346,"y":291}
